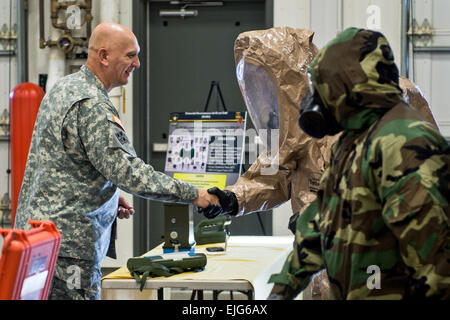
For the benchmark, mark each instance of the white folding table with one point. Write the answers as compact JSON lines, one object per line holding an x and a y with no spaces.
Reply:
{"x":244,"y":267}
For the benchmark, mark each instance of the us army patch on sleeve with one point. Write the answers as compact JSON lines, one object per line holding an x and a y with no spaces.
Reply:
{"x":125,"y":143}
{"x":122,"y":137}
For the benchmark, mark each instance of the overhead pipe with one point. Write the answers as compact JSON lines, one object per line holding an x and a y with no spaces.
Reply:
{"x":178,"y":13}
{"x":22,"y":48}
{"x":41,"y":25}
{"x":432,"y":49}
{"x":74,"y":42}
{"x":56,"y":6}
{"x":88,"y":17}
{"x":404,"y":40}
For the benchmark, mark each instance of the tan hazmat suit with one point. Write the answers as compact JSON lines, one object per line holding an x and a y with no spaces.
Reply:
{"x":282,"y":56}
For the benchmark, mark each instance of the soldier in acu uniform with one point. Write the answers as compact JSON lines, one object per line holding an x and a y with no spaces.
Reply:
{"x":79,"y":159}
{"x":380,"y":223}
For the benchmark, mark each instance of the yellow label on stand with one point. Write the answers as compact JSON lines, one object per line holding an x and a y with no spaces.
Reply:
{"x":203,"y":181}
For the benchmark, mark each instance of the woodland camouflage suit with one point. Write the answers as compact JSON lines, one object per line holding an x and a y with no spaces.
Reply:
{"x":384,"y":199}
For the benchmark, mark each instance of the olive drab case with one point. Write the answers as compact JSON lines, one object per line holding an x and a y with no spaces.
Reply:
{"x":28,"y":261}
{"x":164,"y":265}
{"x":212,"y":230}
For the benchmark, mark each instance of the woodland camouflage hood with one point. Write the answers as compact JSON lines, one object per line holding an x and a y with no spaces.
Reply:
{"x":356,"y":77}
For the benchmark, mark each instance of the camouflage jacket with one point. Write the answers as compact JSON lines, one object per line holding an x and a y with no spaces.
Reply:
{"x":79,"y":156}
{"x":380,"y":223}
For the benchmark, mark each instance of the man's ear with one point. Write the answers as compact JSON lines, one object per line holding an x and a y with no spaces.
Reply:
{"x":103,"y":56}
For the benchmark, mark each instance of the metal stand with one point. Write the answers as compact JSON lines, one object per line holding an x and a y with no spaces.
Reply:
{"x":179,"y":228}
{"x":215,"y":84}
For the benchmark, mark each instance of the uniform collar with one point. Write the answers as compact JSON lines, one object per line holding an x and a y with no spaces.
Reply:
{"x":92,"y":77}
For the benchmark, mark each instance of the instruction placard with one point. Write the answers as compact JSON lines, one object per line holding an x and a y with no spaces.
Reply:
{"x":206,"y":148}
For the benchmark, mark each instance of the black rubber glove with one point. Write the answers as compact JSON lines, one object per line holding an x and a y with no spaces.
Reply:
{"x":293,"y":223}
{"x":228,"y":204}
{"x":210,"y":211}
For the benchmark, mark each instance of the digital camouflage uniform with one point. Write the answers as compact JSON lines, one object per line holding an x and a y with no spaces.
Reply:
{"x":383,"y":200}
{"x":79,"y":157}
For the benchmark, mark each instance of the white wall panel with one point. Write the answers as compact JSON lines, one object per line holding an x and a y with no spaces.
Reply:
{"x":431,"y":71}
{"x":326,"y":20}
{"x":291,"y":13}
{"x":439,"y":95}
{"x":380,"y":15}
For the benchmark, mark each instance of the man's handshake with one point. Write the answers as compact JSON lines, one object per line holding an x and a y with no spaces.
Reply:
{"x":225,"y":202}
{"x":205,"y":199}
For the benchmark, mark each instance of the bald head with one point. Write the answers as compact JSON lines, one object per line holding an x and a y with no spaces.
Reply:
{"x":109,"y":35}
{"x":113,"y":54}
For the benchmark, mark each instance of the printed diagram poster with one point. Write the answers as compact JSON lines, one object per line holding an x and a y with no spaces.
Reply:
{"x":206,"y":148}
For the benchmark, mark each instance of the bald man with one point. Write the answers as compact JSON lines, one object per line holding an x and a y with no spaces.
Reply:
{"x":81,"y":157}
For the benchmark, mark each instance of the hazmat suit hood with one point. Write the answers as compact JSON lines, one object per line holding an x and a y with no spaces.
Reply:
{"x":356,"y":78}
{"x":271,"y":72}
{"x":271,"y":69}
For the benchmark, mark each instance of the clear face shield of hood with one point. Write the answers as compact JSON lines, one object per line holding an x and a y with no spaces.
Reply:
{"x":260,"y":95}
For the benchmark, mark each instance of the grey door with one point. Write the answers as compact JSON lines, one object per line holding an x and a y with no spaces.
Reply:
{"x":184,"y":56}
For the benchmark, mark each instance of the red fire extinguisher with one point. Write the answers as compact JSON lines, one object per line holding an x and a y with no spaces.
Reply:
{"x":25,"y":100}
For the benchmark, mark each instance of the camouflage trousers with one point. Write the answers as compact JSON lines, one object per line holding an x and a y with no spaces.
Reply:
{"x":76,"y":279}
{"x":319,"y":287}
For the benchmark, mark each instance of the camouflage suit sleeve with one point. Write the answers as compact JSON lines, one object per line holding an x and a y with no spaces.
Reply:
{"x":111,"y":153}
{"x":413,"y":188}
{"x":306,"y":258}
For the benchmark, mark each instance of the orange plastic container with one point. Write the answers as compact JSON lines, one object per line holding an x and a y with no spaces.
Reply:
{"x":28,"y":261}
{"x":25,"y":100}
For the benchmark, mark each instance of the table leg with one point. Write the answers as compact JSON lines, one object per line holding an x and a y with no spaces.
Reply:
{"x":161,"y":294}
{"x":199,"y":294}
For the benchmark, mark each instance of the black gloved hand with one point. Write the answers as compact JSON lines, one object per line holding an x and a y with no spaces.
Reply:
{"x":293,"y":223}
{"x":210,"y":211}
{"x":228,"y":204}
